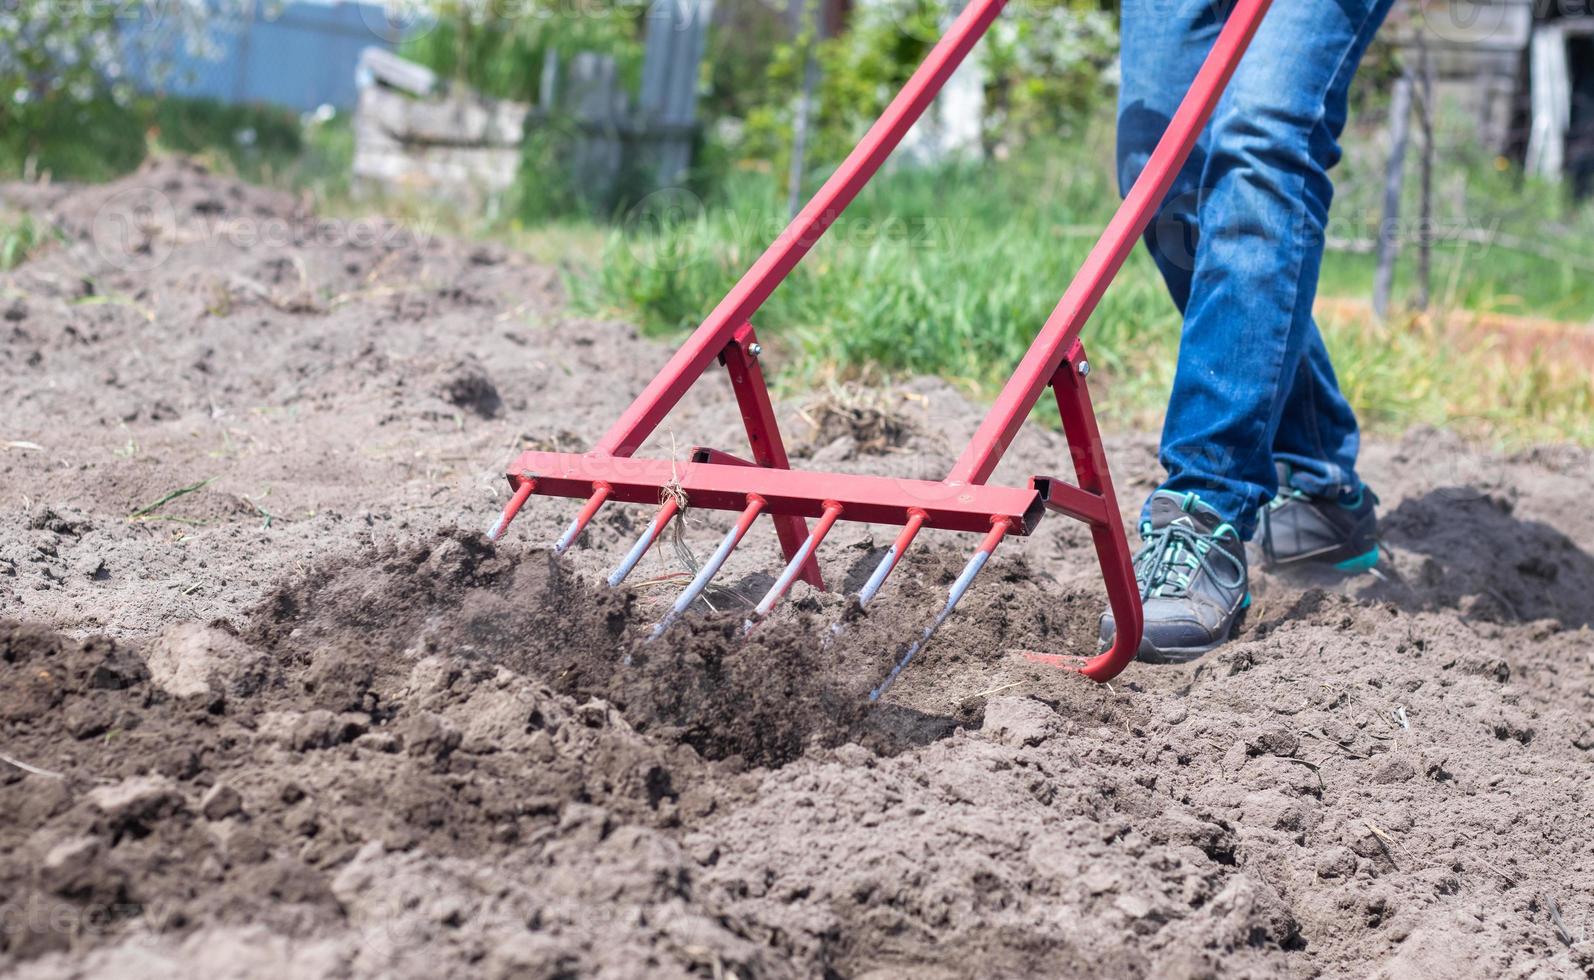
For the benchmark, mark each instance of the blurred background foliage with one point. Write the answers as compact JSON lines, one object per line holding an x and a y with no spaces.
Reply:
{"x":946,"y":268}
{"x":498,"y":48}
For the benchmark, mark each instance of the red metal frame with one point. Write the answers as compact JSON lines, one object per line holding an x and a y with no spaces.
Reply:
{"x":789,"y":493}
{"x":1107,"y":530}
{"x":960,"y":502}
{"x":740,"y":358}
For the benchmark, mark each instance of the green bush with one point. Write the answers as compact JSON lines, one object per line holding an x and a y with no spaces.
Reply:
{"x":254,"y":140}
{"x":101,"y":139}
{"x":70,"y":140}
{"x":1047,"y":72}
{"x":497,"y":47}
{"x":66,"y":106}
{"x":1043,"y":65}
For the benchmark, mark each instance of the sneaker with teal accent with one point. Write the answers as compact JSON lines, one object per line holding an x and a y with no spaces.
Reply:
{"x":1192,"y":576}
{"x":1297,"y":528}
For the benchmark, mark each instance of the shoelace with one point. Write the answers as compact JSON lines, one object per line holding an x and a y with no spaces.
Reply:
{"x":1174,"y":554}
{"x":1281,"y":499}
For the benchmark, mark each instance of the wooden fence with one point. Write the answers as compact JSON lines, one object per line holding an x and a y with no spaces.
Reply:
{"x":414,"y":132}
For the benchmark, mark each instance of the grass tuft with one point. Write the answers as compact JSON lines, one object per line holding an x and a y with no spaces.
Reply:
{"x":151,"y":510}
{"x":19,"y":240}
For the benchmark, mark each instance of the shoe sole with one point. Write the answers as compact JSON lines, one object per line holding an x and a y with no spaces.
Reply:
{"x":1150,"y":654}
{"x":1361,"y":563}
{"x":1357,"y":564}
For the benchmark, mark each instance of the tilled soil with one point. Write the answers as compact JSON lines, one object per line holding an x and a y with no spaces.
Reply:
{"x":304,"y":720}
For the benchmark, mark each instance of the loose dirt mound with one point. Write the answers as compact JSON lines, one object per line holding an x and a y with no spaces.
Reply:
{"x":270,"y":704}
{"x":764,"y":699}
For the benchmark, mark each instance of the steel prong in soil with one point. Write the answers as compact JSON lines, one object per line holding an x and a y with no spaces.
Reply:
{"x":888,"y":562}
{"x":794,"y":567}
{"x":651,"y":533}
{"x":959,"y":588}
{"x":600,"y":493}
{"x":755,"y":505}
{"x":899,"y":547}
{"x":512,"y":509}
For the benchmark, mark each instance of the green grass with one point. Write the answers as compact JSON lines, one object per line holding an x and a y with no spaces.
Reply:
{"x":952,"y":272}
{"x":99,"y":141}
{"x":1502,"y":243}
{"x":20,"y":237}
{"x":1481,"y":277}
{"x":255,"y":142}
{"x":948,"y":271}
{"x":92,"y":141}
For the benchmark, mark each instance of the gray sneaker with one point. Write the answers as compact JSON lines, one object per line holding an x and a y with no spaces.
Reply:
{"x":1296,"y":528}
{"x":1192,"y":576}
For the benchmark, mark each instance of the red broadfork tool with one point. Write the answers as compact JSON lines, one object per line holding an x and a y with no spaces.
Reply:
{"x":961,"y":502}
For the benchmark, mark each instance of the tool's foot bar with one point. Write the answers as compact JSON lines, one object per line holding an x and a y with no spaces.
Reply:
{"x":959,"y":589}
{"x":1065,"y":498}
{"x":946,"y":505}
{"x":754,"y":506}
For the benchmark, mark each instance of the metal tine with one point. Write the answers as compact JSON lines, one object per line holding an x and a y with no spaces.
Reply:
{"x":871,"y":588}
{"x":910,"y":530}
{"x":651,"y":533}
{"x":794,"y":567}
{"x":600,"y":493}
{"x":755,"y":504}
{"x":522,"y":494}
{"x":959,"y":589}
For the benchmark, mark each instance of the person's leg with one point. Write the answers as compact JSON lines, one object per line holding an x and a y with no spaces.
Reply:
{"x":1264,"y":207}
{"x":1318,"y":439}
{"x":1322,"y":515}
{"x":1163,"y":43}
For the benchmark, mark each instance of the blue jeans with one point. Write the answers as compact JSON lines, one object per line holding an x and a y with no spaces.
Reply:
{"x":1239,"y":242}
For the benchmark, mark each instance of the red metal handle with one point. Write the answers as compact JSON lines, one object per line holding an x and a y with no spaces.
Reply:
{"x":785,"y":252}
{"x":1062,"y":328}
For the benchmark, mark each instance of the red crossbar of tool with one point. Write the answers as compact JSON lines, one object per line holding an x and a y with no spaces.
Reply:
{"x":961,"y":502}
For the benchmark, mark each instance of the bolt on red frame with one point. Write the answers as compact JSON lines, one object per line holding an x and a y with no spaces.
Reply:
{"x":961,"y":502}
